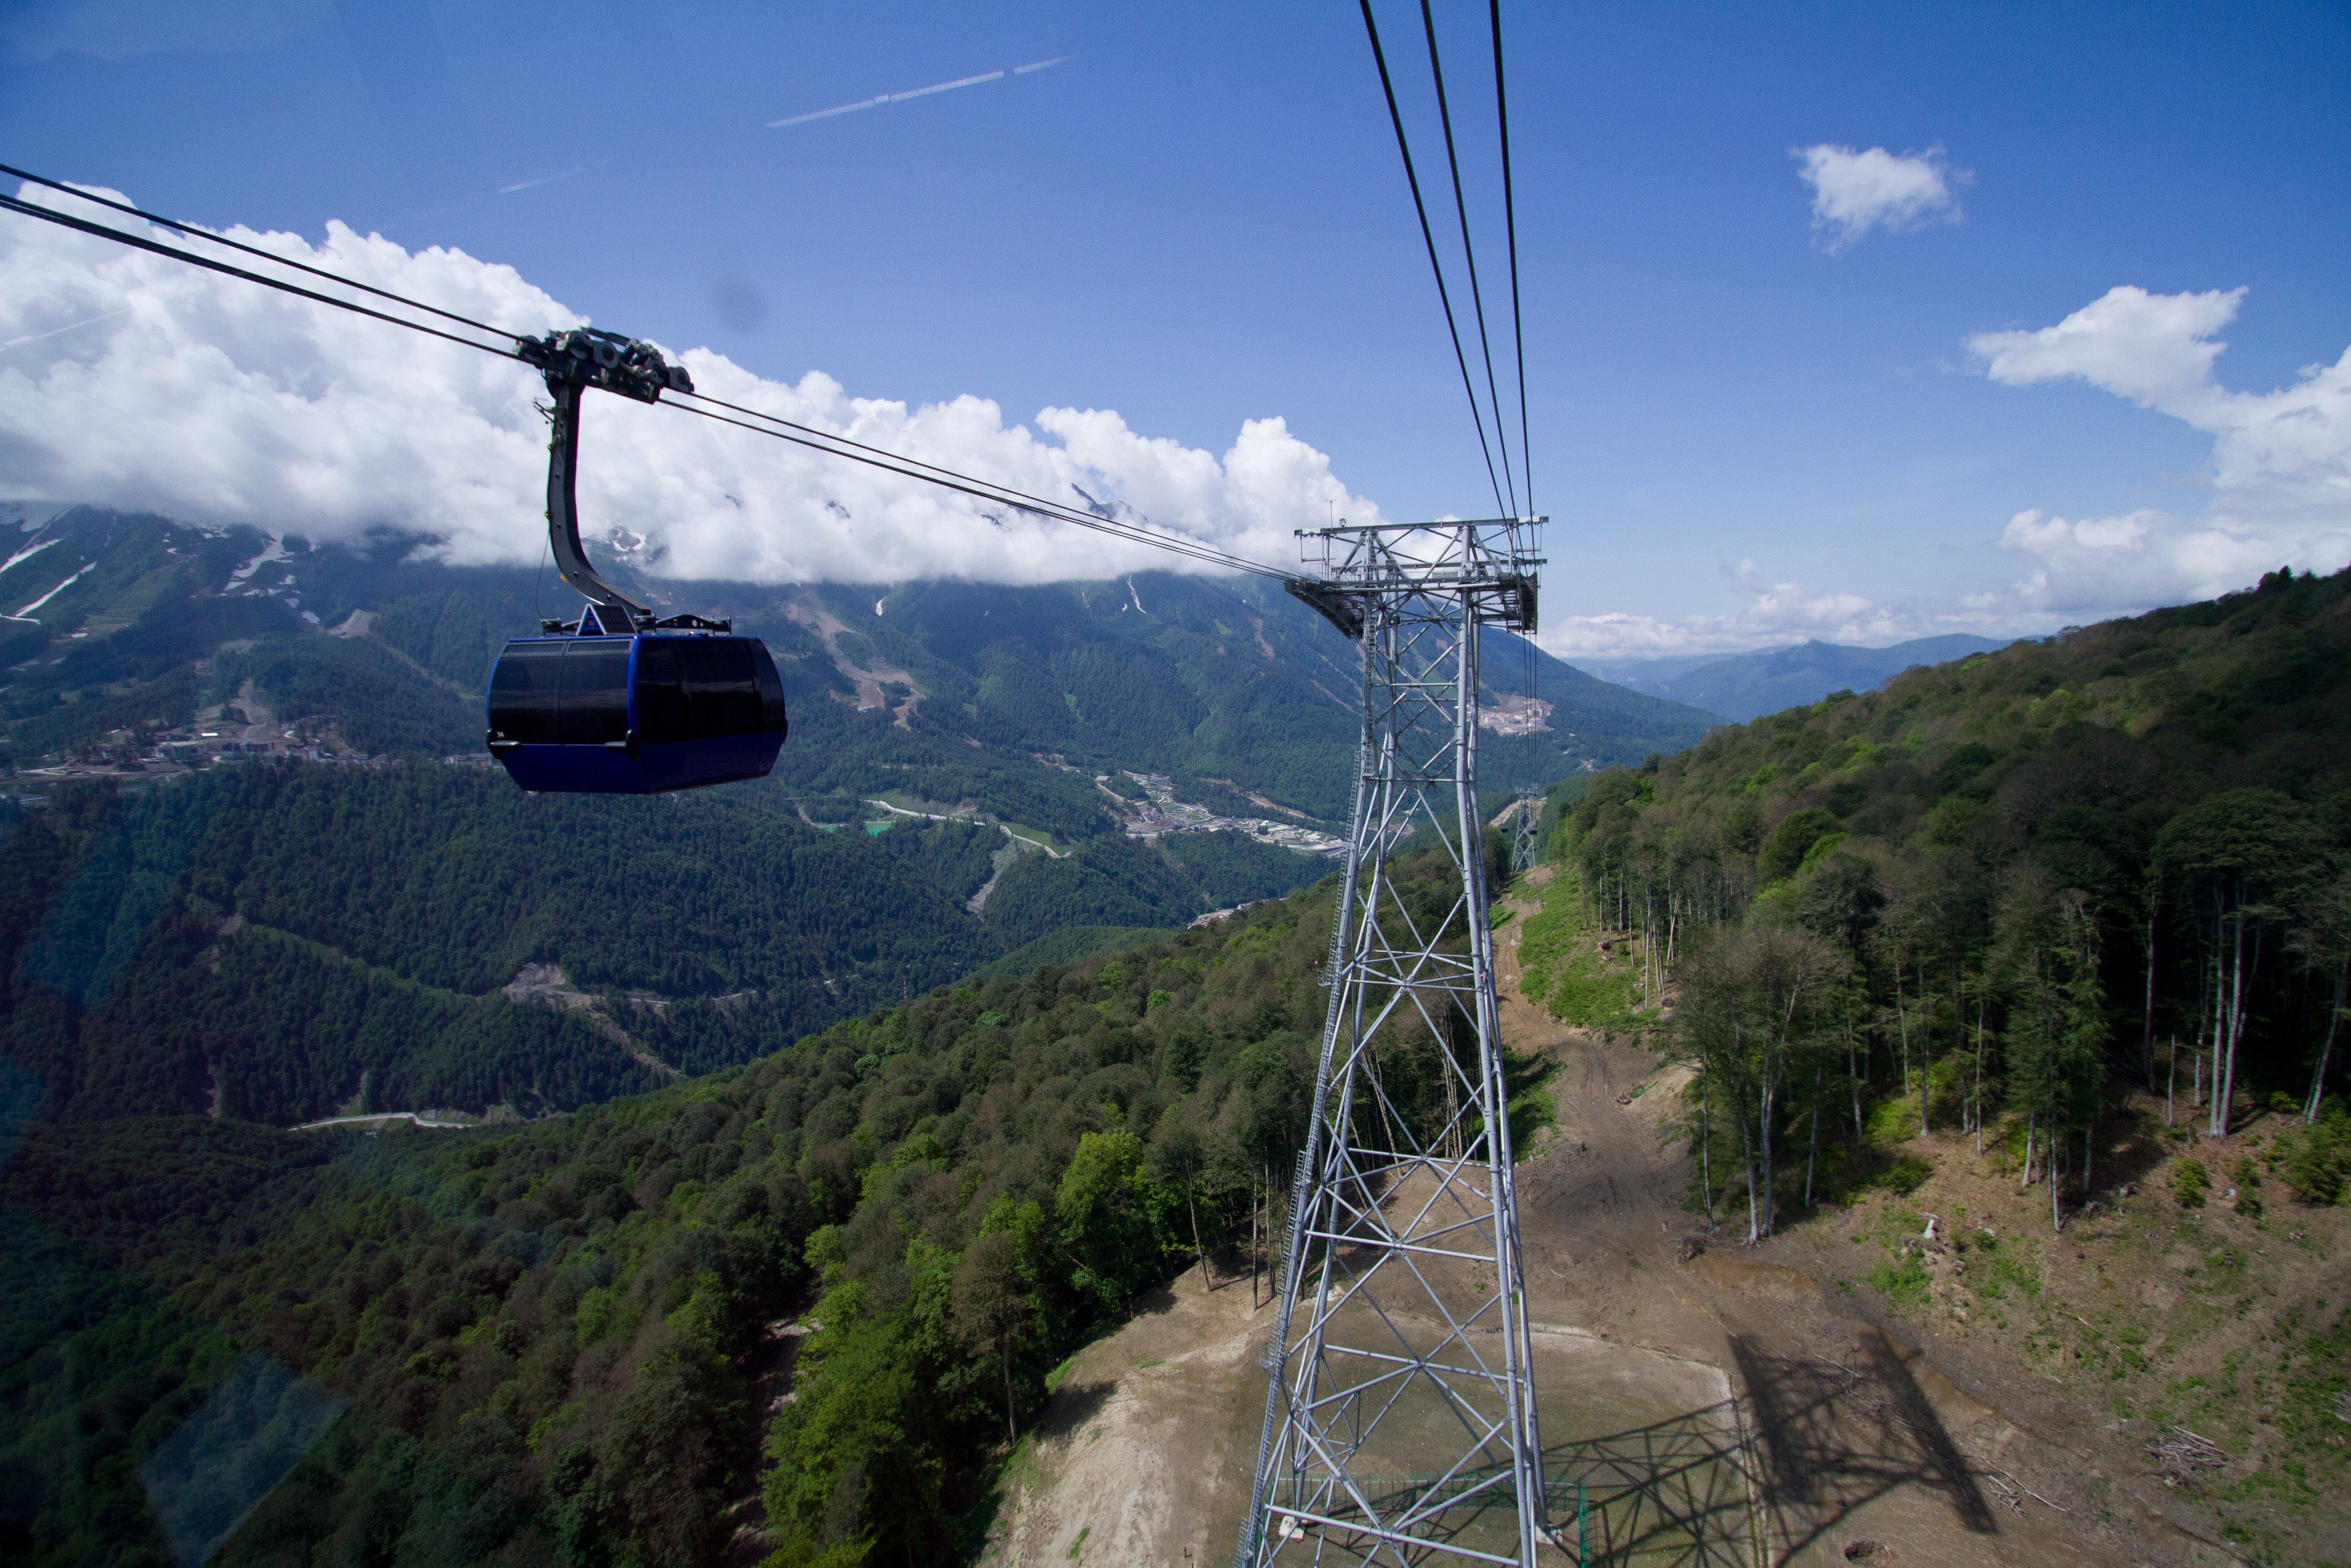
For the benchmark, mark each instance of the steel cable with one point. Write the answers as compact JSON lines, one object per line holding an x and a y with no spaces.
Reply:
{"x":1469,"y":252}
{"x":195,"y":229}
{"x":1510,"y":228}
{"x":808,"y":436}
{"x":1428,"y":237}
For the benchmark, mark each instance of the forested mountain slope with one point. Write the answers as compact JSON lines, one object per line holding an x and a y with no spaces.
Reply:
{"x":2031,"y":877}
{"x":1748,"y":685}
{"x":277,"y":940}
{"x":550,"y":1341}
{"x":943,"y":692}
{"x":2013,"y":1001}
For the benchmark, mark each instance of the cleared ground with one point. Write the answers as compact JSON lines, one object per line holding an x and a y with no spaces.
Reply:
{"x":1716,"y":1406}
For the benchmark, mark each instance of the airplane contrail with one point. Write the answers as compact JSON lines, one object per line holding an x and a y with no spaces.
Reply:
{"x":542,"y":179}
{"x":879,"y":99}
{"x":53,"y":331}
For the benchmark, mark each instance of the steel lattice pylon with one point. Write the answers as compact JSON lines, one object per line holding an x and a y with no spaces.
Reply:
{"x":1400,"y":1419}
{"x":1524,"y":846}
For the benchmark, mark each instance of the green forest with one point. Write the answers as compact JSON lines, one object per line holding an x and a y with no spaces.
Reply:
{"x":1996,"y":897}
{"x":547,"y":1345}
{"x":1228,"y":688}
{"x":279,"y":942}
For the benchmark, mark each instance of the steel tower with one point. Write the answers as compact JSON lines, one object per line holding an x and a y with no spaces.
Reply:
{"x":1400,"y":1415}
{"x":1524,"y":847}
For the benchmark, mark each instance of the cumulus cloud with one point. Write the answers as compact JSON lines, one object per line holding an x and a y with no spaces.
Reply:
{"x":1774,"y":615}
{"x":2281,"y":460}
{"x":1853,"y":192}
{"x":135,"y":381}
{"x":2281,"y":496}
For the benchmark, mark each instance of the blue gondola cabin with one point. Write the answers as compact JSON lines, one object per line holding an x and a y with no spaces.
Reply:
{"x":635,"y":714}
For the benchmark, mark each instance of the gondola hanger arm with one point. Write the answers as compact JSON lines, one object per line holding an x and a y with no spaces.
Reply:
{"x":573,"y":360}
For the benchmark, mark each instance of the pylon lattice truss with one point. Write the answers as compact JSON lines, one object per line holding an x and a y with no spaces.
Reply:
{"x":1400,"y":1415}
{"x":1524,"y":845}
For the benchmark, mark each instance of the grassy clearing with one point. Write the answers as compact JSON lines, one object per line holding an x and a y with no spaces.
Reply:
{"x":1565,"y":971}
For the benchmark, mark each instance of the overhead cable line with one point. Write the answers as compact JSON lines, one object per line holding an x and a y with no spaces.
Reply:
{"x":1531,"y":669}
{"x":945,"y":479}
{"x":196,"y":231}
{"x":141,"y":242}
{"x":1428,"y":237}
{"x":1468,"y":253}
{"x":990,"y":490}
{"x":1510,"y":228}
{"x":806,"y":435}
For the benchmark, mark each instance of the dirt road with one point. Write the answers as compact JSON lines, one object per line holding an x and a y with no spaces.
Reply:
{"x":1716,"y":1405}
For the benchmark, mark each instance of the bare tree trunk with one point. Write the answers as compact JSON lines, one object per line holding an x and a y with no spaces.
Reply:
{"x":1854,"y":1075}
{"x":1925,"y":1056}
{"x":2146,"y":1027}
{"x":1747,"y":1147}
{"x":2170,"y":1080}
{"x":1706,"y":1151}
{"x":2032,"y":1124}
{"x":2326,"y":1048}
{"x":1254,"y":1177}
{"x":1979,"y":1044}
{"x":1902,"y":1019}
{"x":2056,"y":1206}
{"x":2224,"y":1067}
{"x":1204,"y":1282}
{"x":1010,"y":1424}
{"x":1813,"y":1158}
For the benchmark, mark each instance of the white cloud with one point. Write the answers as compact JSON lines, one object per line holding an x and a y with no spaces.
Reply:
{"x":1776,"y":614}
{"x":141,"y":381}
{"x":2281,"y":496}
{"x":2281,"y":460}
{"x":1853,"y":192}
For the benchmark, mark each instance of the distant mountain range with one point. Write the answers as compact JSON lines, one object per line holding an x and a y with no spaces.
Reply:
{"x":255,"y":861}
{"x":1742,"y":686}
{"x":126,"y":627}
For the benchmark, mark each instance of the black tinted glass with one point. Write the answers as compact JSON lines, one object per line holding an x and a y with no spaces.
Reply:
{"x":524,"y":690}
{"x":722,"y":688}
{"x":595,"y":692}
{"x":771,"y":689}
{"x":661,"y":701}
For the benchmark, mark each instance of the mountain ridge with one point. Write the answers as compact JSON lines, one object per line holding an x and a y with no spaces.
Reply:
{"x":1743,"y":686}
{"x":1224,"y":686}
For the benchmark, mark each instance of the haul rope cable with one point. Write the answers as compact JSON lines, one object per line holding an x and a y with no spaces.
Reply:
{"x":1517,"y":331}
{"x":1051,"y":510}
{"x":1428,"y":237}
{"x":1510,"y":228}
{"x":1468,"y":253}
{"x":197,"y":231}
{"x":808,"y":436}
{"x":1019,"y":500}
{"x":1529,"y":663}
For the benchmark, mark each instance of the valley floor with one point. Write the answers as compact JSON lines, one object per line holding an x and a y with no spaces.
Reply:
{"x":1721,"y":1406}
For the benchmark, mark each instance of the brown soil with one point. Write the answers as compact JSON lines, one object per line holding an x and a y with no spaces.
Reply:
{"x":810,"y":613}
{"x":1724,"y":1404}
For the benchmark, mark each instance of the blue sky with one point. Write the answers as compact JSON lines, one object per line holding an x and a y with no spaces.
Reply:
{"x":1745,"y":432}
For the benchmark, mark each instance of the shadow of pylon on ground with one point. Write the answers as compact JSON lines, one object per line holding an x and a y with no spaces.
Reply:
{"x":1832,"y":1438}
{"x":1667,"y":1495}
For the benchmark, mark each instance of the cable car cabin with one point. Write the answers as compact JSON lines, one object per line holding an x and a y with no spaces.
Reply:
{"x":635,"y":714}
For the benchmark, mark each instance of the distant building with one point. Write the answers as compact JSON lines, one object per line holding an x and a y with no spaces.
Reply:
{"x":1516,"y":715}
